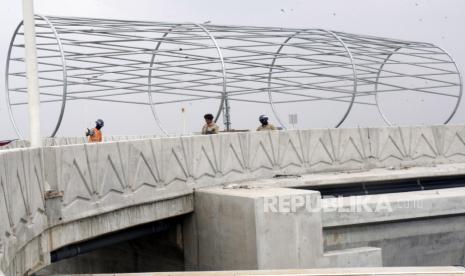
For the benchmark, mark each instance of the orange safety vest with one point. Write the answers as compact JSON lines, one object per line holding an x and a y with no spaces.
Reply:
{"x":96,"y":137}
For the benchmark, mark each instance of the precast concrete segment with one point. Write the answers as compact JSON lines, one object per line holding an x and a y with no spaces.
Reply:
{"x":36,"y":219}
{"x":260,"y":228}
{"x":396,"y":207}
{"x":96,"y":180}
{"x":63,"y":141}
{"x":411,"y":228}
{"x":374,"y":271}
{"x":316,"y":181}
{"x":428,"y":241}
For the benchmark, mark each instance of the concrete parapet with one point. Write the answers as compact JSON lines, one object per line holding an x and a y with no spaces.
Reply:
{"x":47,"y":202}
{"x":417,"y":228}
{"x":353,"y":257}
{"x":22,"y":207}
{"x":396,"y":207}
{"x":59,"y":184}
{"x":63,"y":141}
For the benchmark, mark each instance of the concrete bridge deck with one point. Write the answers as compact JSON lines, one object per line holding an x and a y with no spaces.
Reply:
{"x":60,"y":195}
{"x":389,"y":271}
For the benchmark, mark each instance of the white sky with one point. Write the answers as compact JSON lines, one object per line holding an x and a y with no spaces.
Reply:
{"x":437,"y":21}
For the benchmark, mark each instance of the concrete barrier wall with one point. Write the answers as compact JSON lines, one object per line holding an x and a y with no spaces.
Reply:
{"x":22,"y":206}
{"x":97,"y":179}
{"x":62,"y":141}
{"x":47,"y":194}
{"x":145,"y":169}
{"x":94,"y":177}
{"x":15,"y":145}
{"x":416,"y":229}
{"x":433,"y":241}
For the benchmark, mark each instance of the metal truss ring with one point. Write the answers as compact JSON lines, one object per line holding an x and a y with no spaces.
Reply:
{"x":65,"y":84}
{"x":7,"y":84}
{"x":380,"y":70}
{"x":354,"y":71}
{"x":461,"y":86}
{"x":270,"y":96}
{"x":152,"y":106}
{"x":65,"y":75}
{"x":223,"y":70}
{"x":224,"y":102}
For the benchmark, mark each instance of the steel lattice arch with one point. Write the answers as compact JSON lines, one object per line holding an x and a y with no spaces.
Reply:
{"x":156,"y":63}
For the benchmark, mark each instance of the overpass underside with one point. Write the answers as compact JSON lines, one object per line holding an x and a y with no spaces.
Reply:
{"x":231,"y":229}
{"x":237,"y":201}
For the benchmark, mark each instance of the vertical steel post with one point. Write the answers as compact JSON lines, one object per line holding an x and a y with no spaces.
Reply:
{"x":32,"y":74}
{"x":226,"y":112}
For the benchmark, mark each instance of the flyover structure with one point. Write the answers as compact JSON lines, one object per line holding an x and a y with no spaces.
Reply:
{"x":154,"y":64}
{"x":405,"y":271}
{"x":59,"y":196}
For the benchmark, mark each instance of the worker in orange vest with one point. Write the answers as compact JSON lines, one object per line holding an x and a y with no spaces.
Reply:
{"x":95,"y":134}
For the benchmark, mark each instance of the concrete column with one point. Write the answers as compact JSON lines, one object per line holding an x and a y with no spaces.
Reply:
{"x":263,"y":228}
{"x":253,"y":229}
{"x":32,"y":73}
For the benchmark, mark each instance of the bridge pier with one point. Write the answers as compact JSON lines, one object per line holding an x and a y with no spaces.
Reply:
{"x":262,"y":228}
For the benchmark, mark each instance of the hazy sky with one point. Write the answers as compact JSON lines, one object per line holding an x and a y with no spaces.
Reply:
{"x":437,"y":21}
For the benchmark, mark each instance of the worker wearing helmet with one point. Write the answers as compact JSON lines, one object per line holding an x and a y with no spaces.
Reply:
{"x":264,"y":124}
{"x":210,"y":127}
{"x":95,"y":134}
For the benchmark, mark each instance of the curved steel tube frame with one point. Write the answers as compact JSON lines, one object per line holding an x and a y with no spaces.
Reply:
{"x":65,"y":78}
{"x":346,"y":41}
{"x":7,"y":84}
{"x":152,"y":107}
{"x":378,"y":105}
{"x":349,"y":54}
{"x":223,"y":103}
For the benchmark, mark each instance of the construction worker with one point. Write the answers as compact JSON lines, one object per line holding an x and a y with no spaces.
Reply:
{"x":95,"y":134}
{"x":210,"y":127}
{"x":265,"y":125}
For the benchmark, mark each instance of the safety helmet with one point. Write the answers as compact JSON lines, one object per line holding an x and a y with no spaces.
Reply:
{"x":263,"y":118}
{"x":208,"y":116}
{"x":99,"y":122}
